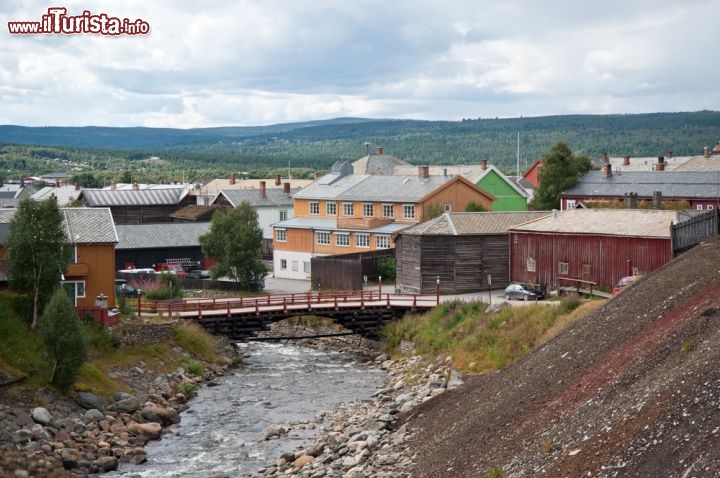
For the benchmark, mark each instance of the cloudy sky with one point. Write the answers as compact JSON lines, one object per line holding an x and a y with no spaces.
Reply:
{"x":256,"y":62}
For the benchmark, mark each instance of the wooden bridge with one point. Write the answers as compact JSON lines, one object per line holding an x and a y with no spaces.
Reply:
{"x":239,"y":318}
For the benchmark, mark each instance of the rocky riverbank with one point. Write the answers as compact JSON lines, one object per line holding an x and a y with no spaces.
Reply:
{"x":44,"y":434}
{"x":365,"y":438}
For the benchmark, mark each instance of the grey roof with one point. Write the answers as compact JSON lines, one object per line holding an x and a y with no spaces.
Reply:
{"x":272,"y":198}
{"x":380,"y":164}
{"x":375,"y":188}
{"x":82,"y":225}
{"x":614,"y":222}
{"x":64,"y":194}
{"x":672,"y":184}
{"x":151,"y":236}
{"x":129,"y":197}
{"x":468,"y":223}
{"x":331,"y":225}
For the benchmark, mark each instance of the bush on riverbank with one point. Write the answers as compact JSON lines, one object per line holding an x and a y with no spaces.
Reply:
{"x":479,"y":341}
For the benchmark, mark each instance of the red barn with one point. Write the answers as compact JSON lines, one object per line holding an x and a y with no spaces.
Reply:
{"x":599,"y":245}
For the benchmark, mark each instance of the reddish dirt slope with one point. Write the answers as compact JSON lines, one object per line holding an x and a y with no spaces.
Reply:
{"x":631,"y":390}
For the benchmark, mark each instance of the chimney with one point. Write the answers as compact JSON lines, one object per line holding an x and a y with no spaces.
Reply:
{"x":379,"y":150}
{"x":631,"y":200}
{"x":706,"y":152}
{"x":444,"y":171}
{"x":716,"y":149}
{"x":22,"y":182}
{"x":669,"y":154}
{"x":605,"y":156}
{"x":660,"y":166}
{"x":657,"y":200}
{"x":113,"y":185}
{"x":483,"y":164}
{"x":286,"y":188}
{"x":232,"y":178}
{"x":136,"y":187}
{"x":262,"y":189}
{"x":57,"y":183}
{"x":277,"y":180}
{"x":77,"y":186}
{"x":626,"y":161}
{"x":424,"y":171}
{"x":607,"y":170}
{"x":315,"y":175}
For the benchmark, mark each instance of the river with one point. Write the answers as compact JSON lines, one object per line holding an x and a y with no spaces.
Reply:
{"x":278,"y":384}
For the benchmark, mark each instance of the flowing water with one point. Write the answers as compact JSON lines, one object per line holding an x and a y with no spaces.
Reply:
{"x":278,"y":384}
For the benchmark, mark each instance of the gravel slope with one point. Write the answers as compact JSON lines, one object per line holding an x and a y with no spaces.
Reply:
{"x":631,"y":390}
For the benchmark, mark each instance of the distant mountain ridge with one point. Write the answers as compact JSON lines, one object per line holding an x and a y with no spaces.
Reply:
{"x":318,"y":144}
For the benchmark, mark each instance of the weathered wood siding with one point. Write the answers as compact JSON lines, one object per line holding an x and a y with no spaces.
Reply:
{"x":346,"y":271}
{"x":457,"y":195}
{"x":695,"y":230}
{"x":602,"y":259}
{"x":96,"y":264}
{"x":462,"y":263}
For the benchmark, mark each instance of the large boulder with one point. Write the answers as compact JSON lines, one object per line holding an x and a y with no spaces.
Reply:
{"x":273,"y":431}
{"x":150,"y":430}
{"x":93,"y":415}
{"x":128,"y":404}
{"x":41,"y":415}
{"x":89,"y":400}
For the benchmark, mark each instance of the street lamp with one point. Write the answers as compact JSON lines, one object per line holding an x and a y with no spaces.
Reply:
{"x":437,"y":290}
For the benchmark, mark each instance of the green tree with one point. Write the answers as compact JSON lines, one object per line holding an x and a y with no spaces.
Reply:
{"x":473,"y":206}
{"x":234,"y":242}
{"x":560,"y":170}
{"x":62,"y":333}
{"x":38,"y":251}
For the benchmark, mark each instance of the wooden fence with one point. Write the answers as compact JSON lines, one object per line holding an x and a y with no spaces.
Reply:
{"x":346,"y":271}
{"x":694,"y":230}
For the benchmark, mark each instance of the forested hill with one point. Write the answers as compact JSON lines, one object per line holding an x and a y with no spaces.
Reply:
{"x":318,"y":144}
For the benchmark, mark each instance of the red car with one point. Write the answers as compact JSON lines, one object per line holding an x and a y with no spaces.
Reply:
{"x":624,"y":282}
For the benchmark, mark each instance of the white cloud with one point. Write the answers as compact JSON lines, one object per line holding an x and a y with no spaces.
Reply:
{"x":259,"y":62}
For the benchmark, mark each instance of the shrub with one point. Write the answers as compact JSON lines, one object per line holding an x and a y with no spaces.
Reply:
{"x":386,"y":268}
{"x":195,"y":340}
{"x":62,"y":333}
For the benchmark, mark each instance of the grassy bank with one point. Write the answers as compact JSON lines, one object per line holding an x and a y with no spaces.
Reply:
{"x":478,"y":341}
{"x":181,"y":344}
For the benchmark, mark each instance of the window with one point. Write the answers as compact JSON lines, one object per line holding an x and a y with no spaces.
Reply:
{"x":342,"y":239}
{"x":362,"y":240}
{"x":322,"y":238}
{"x":635,"y":271}
{"x":294,"y":266}
{"x":409,"y":211}
{"x":368,"y":210}
{"x":75,"y":290}
{"x":348,"y":209}
{"x":283,"y":215}
{"x":699,"y":207}
{"x":448,"y":207}
{"x":314,"y":208}
{"x":382,"y":242}
{"x":587,"y":272}
{"x":281,"y":235}
{"x":563,"y":268}
{"x":388,"y":210}
{"x":283,"y":264}
{"x":710,"y":207}
{"x":570,"y":204}
{"x":331,"y":209}
{"x":531,"y":265}
{"x":306,"y":267}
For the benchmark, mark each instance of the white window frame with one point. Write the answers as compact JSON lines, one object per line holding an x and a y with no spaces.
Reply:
{"x":710,"y":207}
{"x":348,"y":209}
{"x":699,"y":207}
{"x":294,"y":265}
{"x":314,"y":208}
{"x":322,"y":235}
{"x":283,"y":215}
{"x":448,"y":207}
{"x":306,"y":267}
{"x":368,"y":209}
{"x":382,"y":241}
{"x":531,"y":265}
{"x":281,"y":235}
{"x":78,"y":289}
{"x":563,"y":268}
{"x":408,"y":211}
{"x":283,"y":264}
{"x":331,"y":209}
{"x":570,"y":203}
{"x":362,"y":241}
{"x":342,"y":239}
{"x":388,"y":210}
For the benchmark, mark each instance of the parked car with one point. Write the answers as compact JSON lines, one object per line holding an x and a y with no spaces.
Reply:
{"x":624,"y":282}
{"x":198,"y":274}
{"x":520,"y":292}
{"x":124,"y":289}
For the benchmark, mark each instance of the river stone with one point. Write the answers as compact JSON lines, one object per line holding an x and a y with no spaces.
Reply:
{"x":41,"y":415}
{"x":89,"y":400}
{"x":302,"y":461}
{"x":273,"y":430}
{"x":93,"y":415}
{"x":117,"y":396}
{"x":105,"y":464}
{"x":150,"y":430}
{"x":126,"y":405}
{"x":39,"y":433}
{"x":69,"y":458}
{"x":21,"y":437}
